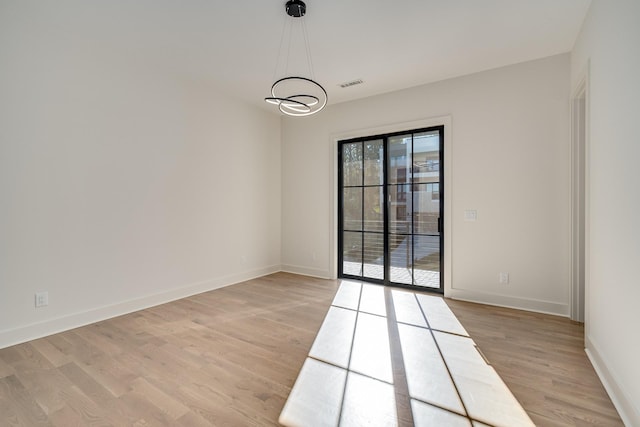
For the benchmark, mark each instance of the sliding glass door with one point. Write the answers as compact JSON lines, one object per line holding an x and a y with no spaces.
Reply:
{"x":390,"y":208}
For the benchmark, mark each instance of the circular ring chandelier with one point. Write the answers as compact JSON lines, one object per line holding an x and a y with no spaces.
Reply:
{"x":297,"y":96}
{"x":302,"y":103}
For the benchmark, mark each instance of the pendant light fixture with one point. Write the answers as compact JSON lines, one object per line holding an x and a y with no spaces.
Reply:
{"x":294,"y":95}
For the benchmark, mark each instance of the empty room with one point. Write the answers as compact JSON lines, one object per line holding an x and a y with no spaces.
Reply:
{"x":319,"y":213}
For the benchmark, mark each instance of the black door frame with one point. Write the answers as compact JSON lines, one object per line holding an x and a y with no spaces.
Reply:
{"x":385,"y":137}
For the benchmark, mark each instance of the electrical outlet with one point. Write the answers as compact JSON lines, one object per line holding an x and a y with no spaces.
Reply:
{"x":503,"y":278}
{"x":42,"y":299}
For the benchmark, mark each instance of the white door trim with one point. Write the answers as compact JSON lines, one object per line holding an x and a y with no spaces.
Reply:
{"x":580,"y":161}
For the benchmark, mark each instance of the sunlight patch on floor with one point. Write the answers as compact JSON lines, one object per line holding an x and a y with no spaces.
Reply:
{"x":349,"y":378}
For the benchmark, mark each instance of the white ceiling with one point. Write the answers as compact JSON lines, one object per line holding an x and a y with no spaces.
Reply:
{"x":389,"y":44}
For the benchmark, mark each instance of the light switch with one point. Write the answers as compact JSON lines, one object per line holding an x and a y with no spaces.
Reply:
{"x":470,"y":215}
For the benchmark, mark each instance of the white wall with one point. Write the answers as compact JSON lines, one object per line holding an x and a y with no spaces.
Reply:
{"x":121,"y":186}
{"x":510,"y":154}
{"x":609,"y":42}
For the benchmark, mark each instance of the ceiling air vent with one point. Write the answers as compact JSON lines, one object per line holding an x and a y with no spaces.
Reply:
{"x":351,"y":83}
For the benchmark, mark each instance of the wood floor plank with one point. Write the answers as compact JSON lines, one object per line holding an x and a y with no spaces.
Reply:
{"x":5,"y":369}
{"x":137,"y":403}
{"x":173,"y":408}
{"x":192,"y":419}
{"x":19,"y":406}
{"x":50,"y":388}
{"x":110,"y":374}
{"x":24,"y":357}
{"x":50,"y":352}
{"x":211,"y":406}
{"x":229,"y":357}
{"x":65,"y":416}
{"x":86,"y":383}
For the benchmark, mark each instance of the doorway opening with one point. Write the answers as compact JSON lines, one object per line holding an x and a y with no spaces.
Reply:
{"x":390,"y":208}
{"x":579,"y":176}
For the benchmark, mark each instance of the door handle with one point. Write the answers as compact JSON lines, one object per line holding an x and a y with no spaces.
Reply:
{"x":439,"y":226}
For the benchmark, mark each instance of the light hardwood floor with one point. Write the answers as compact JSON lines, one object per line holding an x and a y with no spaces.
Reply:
{"x":542,"y":360}
{"x":231,"y":356}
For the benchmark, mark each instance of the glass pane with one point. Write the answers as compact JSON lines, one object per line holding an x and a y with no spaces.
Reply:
{"x":426,"y":157}
{"x":400,"y":259}
{"x":399,"y":153}
{"x":352,"y":253}
{"x":426,"y":208}
{"x":352,"y":164}
{"x":373,"y":255}
{"x":373,"y":166}
{"x":400,"y":208}
{"x":373,"y":209}
{"x":426,"y":260}
{"x":352,"y":200}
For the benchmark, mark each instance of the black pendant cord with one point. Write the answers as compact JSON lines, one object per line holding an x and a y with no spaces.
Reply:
{"x":308,"y":49}
{"x":284,"y":29}
{"x":296,"y":96}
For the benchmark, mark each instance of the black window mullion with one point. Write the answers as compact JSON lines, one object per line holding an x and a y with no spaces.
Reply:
{"x":341,"y":216}
{"x":340,"y":211}
{"x":385,"y":213}
{"x":441,"y":195}
{"x":362,"y":212}
{"x":411,"y":232}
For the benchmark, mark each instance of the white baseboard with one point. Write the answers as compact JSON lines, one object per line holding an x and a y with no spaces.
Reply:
{"x":539,"y":306}
{"x":306,"y":271}
{"x":64,"y":323}
{"x":628,"y":411}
